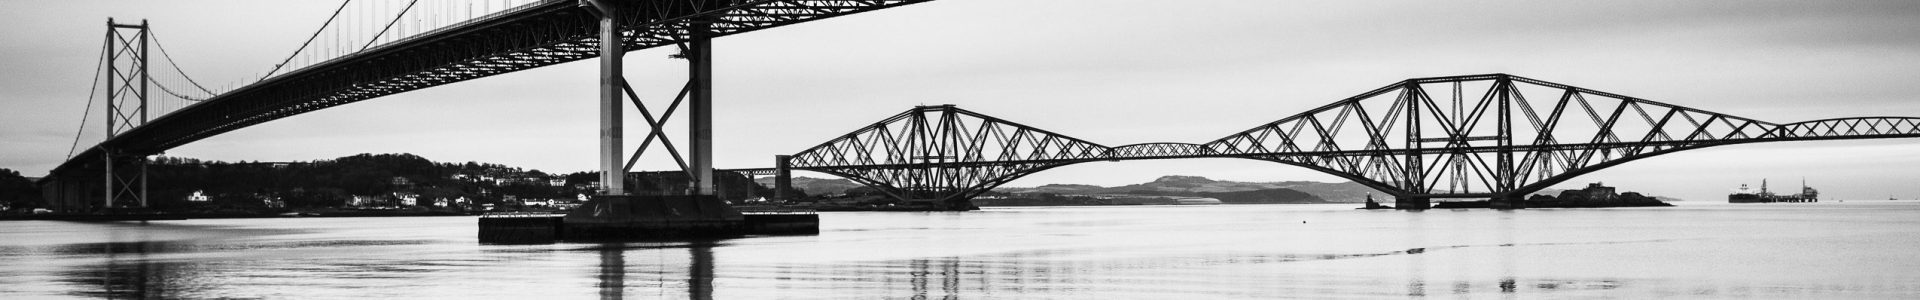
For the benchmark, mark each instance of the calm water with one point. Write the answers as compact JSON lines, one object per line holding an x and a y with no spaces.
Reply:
{"x":1823,"y":250}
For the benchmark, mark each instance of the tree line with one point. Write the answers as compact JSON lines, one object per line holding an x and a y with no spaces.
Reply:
{"x":252,"y":185}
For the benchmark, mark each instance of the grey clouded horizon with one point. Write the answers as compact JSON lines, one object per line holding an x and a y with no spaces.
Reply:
{"x":1109,"y":71}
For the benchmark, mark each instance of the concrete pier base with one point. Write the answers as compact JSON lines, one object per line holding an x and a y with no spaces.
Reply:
{"x":794,"y":224}
{"x":1507,"y":202}
{"x":624,"y":217}
{"x":1412,"y":203}
{"x":631,"y":218}
{"x":520,"y":229}
{"x":961,"y":205}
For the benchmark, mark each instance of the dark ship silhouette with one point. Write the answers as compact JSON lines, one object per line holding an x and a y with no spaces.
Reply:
{"x":1744,"y":195}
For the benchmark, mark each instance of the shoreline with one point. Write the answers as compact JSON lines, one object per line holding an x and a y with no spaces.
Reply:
{"x":189,"y":216}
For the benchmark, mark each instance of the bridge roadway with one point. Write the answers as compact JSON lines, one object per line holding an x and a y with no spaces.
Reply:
{"x":536,"y":35}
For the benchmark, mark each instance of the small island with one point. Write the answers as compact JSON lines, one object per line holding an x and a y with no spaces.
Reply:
{"x":1595,"y":195}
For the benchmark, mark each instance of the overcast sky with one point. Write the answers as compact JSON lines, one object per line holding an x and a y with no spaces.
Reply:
{"x":1110,"y":71}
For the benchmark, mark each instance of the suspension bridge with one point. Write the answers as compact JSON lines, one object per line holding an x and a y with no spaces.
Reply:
{"x":1493,"y":136}
{"x":370,"y":49}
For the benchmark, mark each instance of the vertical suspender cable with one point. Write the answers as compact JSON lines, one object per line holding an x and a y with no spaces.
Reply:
{"x":303,"y":46}
{"x":176,"y":66}
{"x":383,"y":30}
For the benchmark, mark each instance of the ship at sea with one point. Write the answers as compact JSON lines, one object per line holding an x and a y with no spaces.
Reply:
{"x":1744,"y":195}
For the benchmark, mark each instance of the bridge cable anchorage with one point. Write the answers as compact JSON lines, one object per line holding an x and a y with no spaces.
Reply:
{"x":383,"y":30}
{"x":303,"y":45}
{"x":99,"y":67}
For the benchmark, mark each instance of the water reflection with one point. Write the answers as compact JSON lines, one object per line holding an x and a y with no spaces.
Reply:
{"x":126,"y":272}
{"x":613,"y":272}
{"x":1088,"y":272}
{"x":157,"y":260}
{"x":700,"y":271}
{"x":614,"y":268}
{"x":1132,"y":253}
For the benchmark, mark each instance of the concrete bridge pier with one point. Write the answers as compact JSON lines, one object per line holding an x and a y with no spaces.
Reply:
{"x":1508,"y":201}
{"x":960,"y":205}
{"x":1412,"y":203}
{"x":617,"y":213}
{"x":782,"y":176}
{"x":626,"y":217}
{"x":68,"y":193}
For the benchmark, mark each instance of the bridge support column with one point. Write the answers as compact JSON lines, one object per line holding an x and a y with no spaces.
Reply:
{"x":612,"y":131}
{"x":700,"y":108}
{"x":126,"y":181}
{"x":110,"y":192}
{"x":67,"y":193}
{"x":782,"y":176}
{"x":617,"y":213}
{"x":1412,"y":203}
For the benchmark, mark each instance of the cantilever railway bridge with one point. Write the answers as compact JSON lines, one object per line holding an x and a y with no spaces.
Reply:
{"x":1492,"y":136}
{"x":1480,"y":136}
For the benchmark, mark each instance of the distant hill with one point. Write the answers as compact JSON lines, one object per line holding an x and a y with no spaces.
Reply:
{"x":1345,"y":192}
{"x":1176,"y":185}
{"x":816,"y":186}
{"x":1065,"y":188}
{"x":1192,"y":184}
{"x":1196,"y":185}
{"x":17,"y":191}
{"x":1265,"y":196}
{"x":1556,"y":192}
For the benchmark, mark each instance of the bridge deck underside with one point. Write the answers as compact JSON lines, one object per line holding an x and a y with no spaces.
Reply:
{"x":537,"y":35}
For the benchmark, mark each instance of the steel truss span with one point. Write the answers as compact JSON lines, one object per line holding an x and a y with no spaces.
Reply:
{"x":1479,"y":136}
{"x":540,"y":34}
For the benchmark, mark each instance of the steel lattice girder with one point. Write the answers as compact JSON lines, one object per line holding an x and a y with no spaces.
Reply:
{"x":1476,"y":135}
{"x":943,"y":153}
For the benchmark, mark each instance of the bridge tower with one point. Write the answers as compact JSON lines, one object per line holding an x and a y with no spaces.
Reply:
{"x":619,"y":212}
{"x":782,"y":176}
{"x":615,"y":91}
{"x":127,"y":83}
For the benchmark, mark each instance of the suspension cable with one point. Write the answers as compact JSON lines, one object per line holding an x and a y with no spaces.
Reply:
{"x":303,"y":46}
{"x":383,"y":30}
{"x":176,"y":66}
{"x":163,"y":88}
{"x":98,"y":67}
